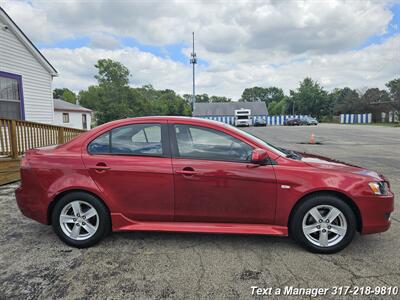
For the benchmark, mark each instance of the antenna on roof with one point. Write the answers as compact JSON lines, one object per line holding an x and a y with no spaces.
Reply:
{"x":193,"y":61}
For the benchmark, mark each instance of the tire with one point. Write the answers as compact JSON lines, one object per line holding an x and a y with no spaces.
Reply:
{"x":85,"y":220}
{"x":332,"y":235}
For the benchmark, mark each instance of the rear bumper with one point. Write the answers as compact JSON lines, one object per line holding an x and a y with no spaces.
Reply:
{"x":375,"y":213}
{"x":29,"y":198}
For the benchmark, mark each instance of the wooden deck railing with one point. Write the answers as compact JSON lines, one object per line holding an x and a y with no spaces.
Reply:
{"x":17,"y":136}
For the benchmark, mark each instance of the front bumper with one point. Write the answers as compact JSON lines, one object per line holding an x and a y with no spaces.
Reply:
{"x":375,"y":212}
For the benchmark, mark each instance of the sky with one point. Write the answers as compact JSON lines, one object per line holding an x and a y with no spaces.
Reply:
{"x":239,"y":44}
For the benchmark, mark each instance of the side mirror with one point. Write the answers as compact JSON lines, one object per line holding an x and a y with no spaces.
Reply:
{"x":258,"y":156}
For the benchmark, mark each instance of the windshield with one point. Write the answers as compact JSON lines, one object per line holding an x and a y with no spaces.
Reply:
{"x":277,"y":150}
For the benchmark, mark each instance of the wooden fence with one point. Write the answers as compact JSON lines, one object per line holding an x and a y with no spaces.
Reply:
{"x":17,"y":136}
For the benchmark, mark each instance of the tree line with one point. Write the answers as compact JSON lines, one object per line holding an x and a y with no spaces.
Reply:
{"x":112,"y":98}
{"x":312,"y":99}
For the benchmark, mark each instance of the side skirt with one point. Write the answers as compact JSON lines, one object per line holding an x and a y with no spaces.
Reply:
{"x":122,"y":223}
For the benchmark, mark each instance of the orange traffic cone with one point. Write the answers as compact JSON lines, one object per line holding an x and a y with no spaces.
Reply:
{"x":312,"y":138}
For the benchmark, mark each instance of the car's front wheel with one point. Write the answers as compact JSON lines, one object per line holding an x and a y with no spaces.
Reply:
{"x":80,"y":219}
{"x":323,"y":224}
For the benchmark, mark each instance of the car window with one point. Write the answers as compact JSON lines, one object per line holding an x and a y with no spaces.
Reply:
{"x":101,"y":144}
{"x":138,"y":139}
{"x":150,"y":134}
{"x":135,"y":139}
{"x":204,"y":143}
{"x":255,"y":139}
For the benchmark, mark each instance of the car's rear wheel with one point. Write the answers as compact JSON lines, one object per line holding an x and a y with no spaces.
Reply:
{"x":80,"y":219}
{"x":323,"y":224}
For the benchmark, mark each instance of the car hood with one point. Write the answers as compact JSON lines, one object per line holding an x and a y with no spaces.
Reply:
{"x":326,"y":163}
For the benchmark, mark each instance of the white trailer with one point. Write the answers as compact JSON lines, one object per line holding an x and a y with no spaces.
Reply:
{"x":242,"y":117}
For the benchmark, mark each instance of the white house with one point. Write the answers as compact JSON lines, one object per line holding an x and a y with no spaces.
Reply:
{"x":71,"y":115}
{"x":25,"y":76}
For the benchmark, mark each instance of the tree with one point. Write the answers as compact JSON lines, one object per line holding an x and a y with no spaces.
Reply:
{"x":69,"y":96}
{"x":202,"y":98}
{"x":375,"y":101}
{"x":343,"y":101}
{"x":394,"y":91}
{"x":64,"y":94}
{"x":89,"y":98}
{"x":205,"y":98}
{"x":57,"y":93}
{"x":187,"y":97}
{"x":374,"y":95}
{"x":112,"y":73}
{"x":267,"y":95}
{"x":113,"y":99}
{"x":277,"y":107}
{"x":310,"y":99}
{"x":219,"y":99}
{"x":110,"y":99}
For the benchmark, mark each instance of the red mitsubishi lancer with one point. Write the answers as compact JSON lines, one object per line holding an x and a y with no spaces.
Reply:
{"x":194,"y":175}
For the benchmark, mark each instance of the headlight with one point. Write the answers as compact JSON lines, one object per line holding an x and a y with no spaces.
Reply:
{"x":379,"y":187}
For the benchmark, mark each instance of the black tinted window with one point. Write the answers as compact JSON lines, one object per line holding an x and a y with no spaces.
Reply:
{"x":204,"y":143}
{"x":101,"y":144}
{"x":138,"y":139}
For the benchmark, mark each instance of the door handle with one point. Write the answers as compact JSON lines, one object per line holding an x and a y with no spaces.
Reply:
{"x":102,"y":167}
{"x":187,"y":171}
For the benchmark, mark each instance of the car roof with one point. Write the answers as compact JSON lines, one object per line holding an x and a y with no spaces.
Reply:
{"x":170,"y":119}
{"x":161,"y":119}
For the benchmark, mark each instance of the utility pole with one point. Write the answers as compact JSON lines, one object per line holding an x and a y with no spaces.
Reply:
{"x":193,"y":61}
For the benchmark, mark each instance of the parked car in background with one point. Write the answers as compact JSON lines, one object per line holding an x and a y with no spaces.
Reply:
{"x":195,"y":175}
{"x":293,"y":122}
{"x":260,"y":122}
{"x":308,"y":121}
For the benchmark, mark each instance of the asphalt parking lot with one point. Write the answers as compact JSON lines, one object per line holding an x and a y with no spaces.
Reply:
{"x":36,"y":264}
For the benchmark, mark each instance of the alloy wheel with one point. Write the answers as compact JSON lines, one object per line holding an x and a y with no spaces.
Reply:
{"x":79,"y":220}
{"x":324,"y":225}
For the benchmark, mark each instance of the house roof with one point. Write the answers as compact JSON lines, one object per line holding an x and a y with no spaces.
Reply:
{"x":61,"y":105}
{"x":13,"y":27}
{"x":228,"y":109}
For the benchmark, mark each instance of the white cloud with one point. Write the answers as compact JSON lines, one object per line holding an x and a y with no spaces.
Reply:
{"x":291,"y":26}
{"x":76,"y":67}
{"x":371,"y":66}
{"x":245,"y":43}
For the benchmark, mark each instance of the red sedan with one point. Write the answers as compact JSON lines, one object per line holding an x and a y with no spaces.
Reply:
{"x":194,"y":175}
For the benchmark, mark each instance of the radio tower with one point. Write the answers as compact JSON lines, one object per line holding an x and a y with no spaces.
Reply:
{"x":193,"y":61}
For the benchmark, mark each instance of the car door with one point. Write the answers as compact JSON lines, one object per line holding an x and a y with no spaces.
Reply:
{"x":131,"y":165}
{"x":215,"y":181}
